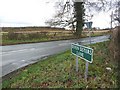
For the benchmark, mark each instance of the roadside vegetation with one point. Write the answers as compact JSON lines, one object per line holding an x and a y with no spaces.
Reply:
{"x":58,"y":71}
{"x":21,"y":37}
{"x":14,"y":38}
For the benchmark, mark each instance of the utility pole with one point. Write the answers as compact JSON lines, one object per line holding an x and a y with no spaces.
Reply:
{"x":111,"y":20}
{"x":119,"y":13}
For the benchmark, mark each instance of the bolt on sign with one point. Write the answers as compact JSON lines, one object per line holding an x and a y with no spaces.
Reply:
{"x":83,"y":52}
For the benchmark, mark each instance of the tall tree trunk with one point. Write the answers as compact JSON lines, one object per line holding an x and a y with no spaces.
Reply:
{"x":78,"y":7}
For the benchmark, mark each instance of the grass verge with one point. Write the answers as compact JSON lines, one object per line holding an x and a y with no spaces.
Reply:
{"x":14,"y":42}
{"x":58,"y":71}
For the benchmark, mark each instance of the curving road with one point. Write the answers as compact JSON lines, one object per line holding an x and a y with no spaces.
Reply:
{"x":17,"y":56}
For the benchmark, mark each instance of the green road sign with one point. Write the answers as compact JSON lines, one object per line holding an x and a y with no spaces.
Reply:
{"x":83,"y":52}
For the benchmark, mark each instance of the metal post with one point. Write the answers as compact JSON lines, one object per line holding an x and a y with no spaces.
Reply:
{"x":86,"y":71}
{"x":87,"y":64}
{"x":76,"y":63}
{"x":90,"y":36}
{"x":89,"y":26}
{"x":111,"y":20}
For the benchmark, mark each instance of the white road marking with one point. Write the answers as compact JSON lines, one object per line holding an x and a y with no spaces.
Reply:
{"x":13,"y":63}
{"x":13,"y":51}
{"x":63,"y":44}
{"x":10,"y":52}
{"x":23,"y":60}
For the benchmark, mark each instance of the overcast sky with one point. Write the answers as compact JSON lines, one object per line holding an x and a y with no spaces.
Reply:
{"x":36,"y":12}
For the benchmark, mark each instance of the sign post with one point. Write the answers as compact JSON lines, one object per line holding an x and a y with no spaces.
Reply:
{"x":76,"y":63}
{"x":89,"y":26}
{"x":83,"y":52}
{"x":86,"y":70}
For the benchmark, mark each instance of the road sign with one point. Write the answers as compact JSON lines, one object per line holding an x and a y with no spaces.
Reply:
{"x":83,"y":52}
{"x":89,"y":24}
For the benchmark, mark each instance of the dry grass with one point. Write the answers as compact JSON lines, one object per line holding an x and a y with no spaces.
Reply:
{"x":115,"y":42}
{"x":115,"y":51}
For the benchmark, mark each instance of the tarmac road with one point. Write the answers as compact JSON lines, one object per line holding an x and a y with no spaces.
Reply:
{"x":17,"y":56}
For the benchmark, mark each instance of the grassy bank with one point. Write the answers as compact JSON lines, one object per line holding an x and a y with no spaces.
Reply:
{"x":14,"y":42}
{"x":58,"y":71}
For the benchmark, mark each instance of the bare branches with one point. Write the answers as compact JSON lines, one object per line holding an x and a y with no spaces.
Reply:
{"x":64,"y":14}
{"x":104,"y":5}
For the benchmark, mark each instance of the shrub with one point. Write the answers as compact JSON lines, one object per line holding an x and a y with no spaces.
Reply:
{"x":12,"y":36}
{"x":22,"y":37}
{"x":33,"y":36}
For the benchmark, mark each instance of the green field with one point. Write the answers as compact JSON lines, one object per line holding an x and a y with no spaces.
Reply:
{"x":58,"y":71}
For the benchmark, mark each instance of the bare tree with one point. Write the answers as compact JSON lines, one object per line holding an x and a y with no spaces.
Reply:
{"x":105,"y":5}
{"x":64,"y":14}
{"x":69,"y":14}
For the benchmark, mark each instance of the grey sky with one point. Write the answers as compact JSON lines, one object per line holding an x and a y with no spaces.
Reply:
{"x":36,"y":12}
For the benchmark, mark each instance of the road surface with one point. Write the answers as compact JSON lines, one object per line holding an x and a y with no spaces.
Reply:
{"x":17,"y":56}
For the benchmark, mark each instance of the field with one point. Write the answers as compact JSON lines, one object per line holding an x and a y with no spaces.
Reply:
{"x":58,"y":71}
{"x":36,"y":34}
